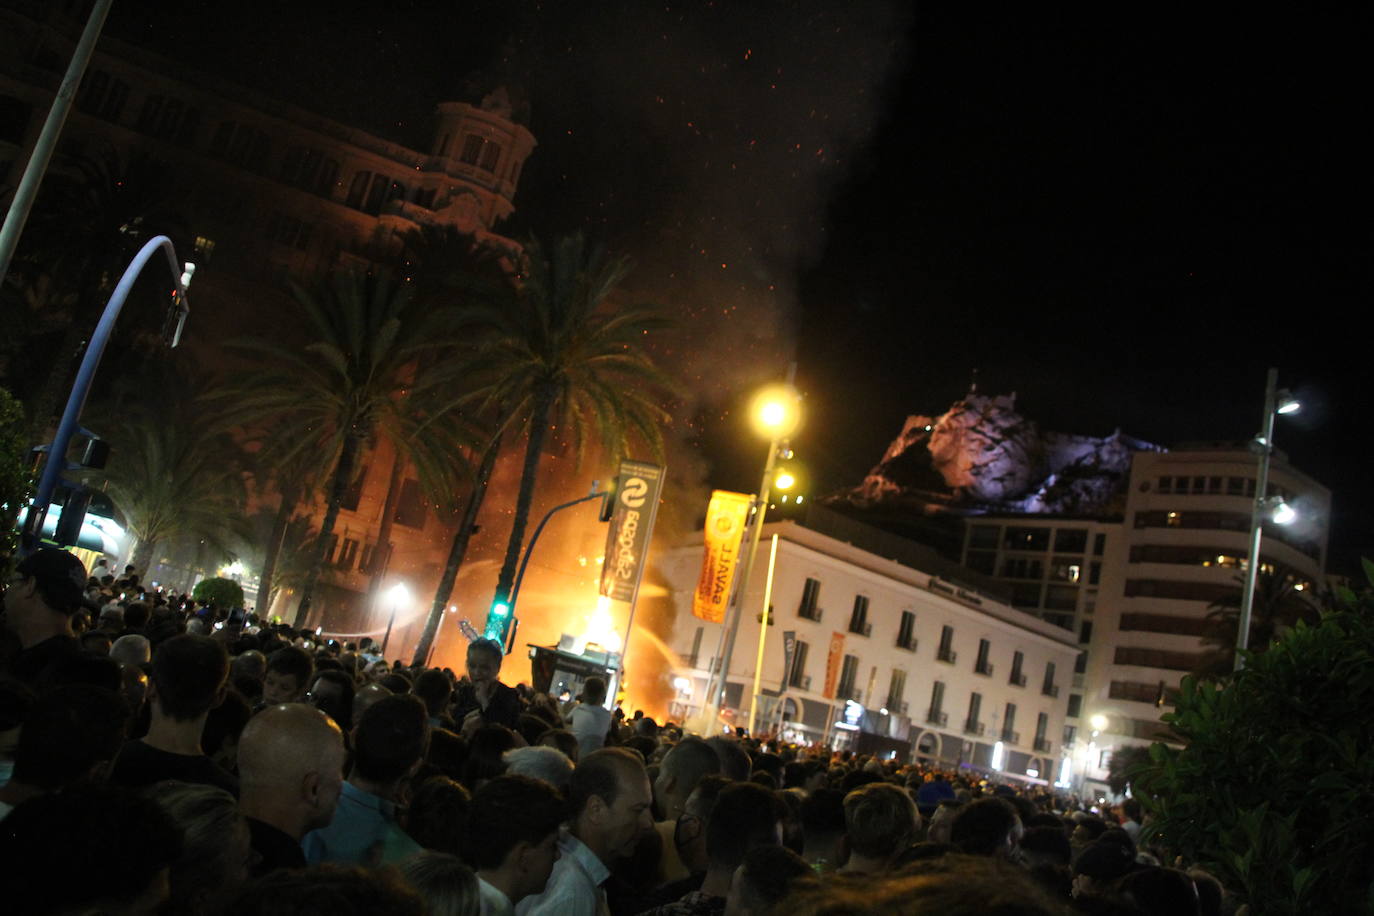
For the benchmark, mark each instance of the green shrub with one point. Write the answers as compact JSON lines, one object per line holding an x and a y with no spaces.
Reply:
{"x":1274,"y":790}
{"x":224,"y":593}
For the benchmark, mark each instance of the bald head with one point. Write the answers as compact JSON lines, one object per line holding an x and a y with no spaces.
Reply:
{"x":365,"y":697}
{"x":283,"y":743}
{"x":132,"y":649}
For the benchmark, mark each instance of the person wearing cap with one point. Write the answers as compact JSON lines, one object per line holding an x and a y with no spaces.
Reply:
{"x":44,"y":591}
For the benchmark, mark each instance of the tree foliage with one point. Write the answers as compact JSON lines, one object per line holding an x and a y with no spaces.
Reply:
{"x":15,"y":478}
{"x":222,"y":593}
{"x":1274,"y":789}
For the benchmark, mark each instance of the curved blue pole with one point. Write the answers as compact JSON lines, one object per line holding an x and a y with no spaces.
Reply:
{"x":90,"y":362}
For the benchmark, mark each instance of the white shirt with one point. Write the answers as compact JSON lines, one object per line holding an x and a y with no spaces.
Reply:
{"x":574,"y":888}
{"x":589,"y":725}
{"x":494,"y":900}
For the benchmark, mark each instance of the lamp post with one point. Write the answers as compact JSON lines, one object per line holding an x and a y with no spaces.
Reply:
{"x":1276,"y":402}
{"x":397,"y":595}
{"x":775,"y":414}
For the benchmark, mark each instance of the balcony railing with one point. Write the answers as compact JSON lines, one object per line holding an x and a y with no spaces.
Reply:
{"x":861,"y":629}
{"x":909,"y":643}
{"x":947,"y":655}
{"x":1043,"y":745}
{"x":985,"y":669}
{"x":974,"y":728}
{"x":1050,"y":690}
{"x":810,"y":613}
{"x":1017,"y":679}
{"x":1011,"y":737}
{"x":935,"y":717}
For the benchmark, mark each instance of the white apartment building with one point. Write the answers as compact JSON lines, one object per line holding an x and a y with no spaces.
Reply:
{"x":1135,"y":591}
{"x":920,"y":664}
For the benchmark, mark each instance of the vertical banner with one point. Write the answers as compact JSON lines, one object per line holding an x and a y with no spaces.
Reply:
{"x":833,"y":662}
{"x":637,"y":488}
{"x":789,"y":654}
{"x":725,"y":518}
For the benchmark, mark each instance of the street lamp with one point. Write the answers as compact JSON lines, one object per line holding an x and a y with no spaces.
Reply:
{"x":1276,"y":402}
{"x":776,"y":413}
{"x":397,"y":595}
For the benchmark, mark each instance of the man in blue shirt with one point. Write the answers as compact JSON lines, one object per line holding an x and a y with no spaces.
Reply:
{"x":389,"y":744}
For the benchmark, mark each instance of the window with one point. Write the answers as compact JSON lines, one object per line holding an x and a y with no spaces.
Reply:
{"x":410,"y":508}
{"x":1061,"y":598}
{"x":103,"y":95}
{"x":491,"y":154}
{"x":1157,"y":658}
{"x":1066,"y":569}
{"x":1070,"y":735}
{"x":849,"y":672}
{"x":1094,"y":573}
{"x":1104,"y":760}
{"x":241,"y":144}
{"x":289,"y":231}
{"x":1009,"y":725}
{"x":1075,"y":705}
{"x":797,"y":677}
{"x":1048,"y":688}
{"x":1165,"y":623}
{"x":1042,"y":722}
{"x":946,"y":652}
{"x":1156,"y":694}
{"x":982,"y":665}
{"x":983,"y":561}
{"x":936,"y":715}
{"x":811,"y":593}
{"x":347,"y":554}
{"x":329,"y":545}
{"x":1027,"y":539}
{"x":975,"y":707}
{"x":1021,"y":568}
{"x":1235,"y":486}
{"x":1085,"y":632}
{"x":357,"y":191}
{"x":1070,"y":540}
{"x":1080,"y":664}
{"x":377,"y":194}
{"x":472,"y":149}
{"x":1017,"y":677}
{"x":858,"y":618}
{"x":694,"y":659}
{"x":895,"y":688}
{"x":310,"y":170}
{"x":1099,"y":544}
{"x":354,"y":493}
{"x":906,"y":633}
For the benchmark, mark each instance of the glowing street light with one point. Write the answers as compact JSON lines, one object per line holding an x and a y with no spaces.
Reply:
{"x":1276,"y":401}
{"x":396,"y":596}
{"x":1098,"y":722}
{"x":776,"y":413}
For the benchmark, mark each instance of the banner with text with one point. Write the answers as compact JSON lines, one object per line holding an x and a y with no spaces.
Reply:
{"x":833,"y":661}
{"x":725,"y":518}
{"x":637,"y":488}
{"x":789,"y":654}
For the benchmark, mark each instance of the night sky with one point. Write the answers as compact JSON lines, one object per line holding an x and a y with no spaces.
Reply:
{"x":1123,"y":218}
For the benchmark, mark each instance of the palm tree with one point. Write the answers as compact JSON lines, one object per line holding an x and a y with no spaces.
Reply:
{"x":560,"y":354}
{"x":365,"y":374}
{"x":1278,"y":605}
{"x":176,"y":474}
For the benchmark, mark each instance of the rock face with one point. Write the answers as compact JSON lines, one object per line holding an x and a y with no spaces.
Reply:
{"x":981,"y":455}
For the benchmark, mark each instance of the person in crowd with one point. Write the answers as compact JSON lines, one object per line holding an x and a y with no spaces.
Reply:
{"x":880,"y":821}
{"x":89,"y":849}
{"x":735,"y":764}
{"x":329,"y":890}
{"x":223,"y":729}
{"x":449,"y":887}
{"x":610,"y":806}
{"x":766,"y":877}
{"x":544,"y":763}
{"x":44,"y":592}
{"x":986,"y":827}
{"x":247,"y":672}
{"x":16,"y":705}
{"x":216,"y":853}
{"x":823,"y":826}
{"x":1132,"y":815}
{"x":745,"y":816}
{"x":132,"y":649}
{"x":590,"y":720}
{"x":188,"y":679}
{"x":437,"y":816}
{"x":365,"y":697}
{"x":1099,"y":865}
{"x":512,"y":840}
{"x":1156,"y":891}
{"x":389,"y":744}
{"x":68,"y":737}
{"x":484,"y":700}
{"x":435,"y":689}
{"x":289,"y":670}
{"x":1045,"y":851}
{"x":96,"y":642}
{"x":563,"y":740}
{"x":291,"y":761}
{"x":683,"y":768}
{"x":333,"y":692}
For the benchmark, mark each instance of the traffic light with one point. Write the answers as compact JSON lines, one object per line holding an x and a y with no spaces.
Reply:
{"x":498,"y":623}
{"x":68,"y":532}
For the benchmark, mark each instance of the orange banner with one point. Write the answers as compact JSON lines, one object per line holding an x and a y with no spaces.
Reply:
{"x":725,"y":518}
{"x":833,"y":661}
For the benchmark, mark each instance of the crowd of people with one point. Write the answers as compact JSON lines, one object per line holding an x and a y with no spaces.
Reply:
{"x":158,"y":755}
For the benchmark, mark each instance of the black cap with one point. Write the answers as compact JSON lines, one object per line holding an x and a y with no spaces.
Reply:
{"x":61,"y":574}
